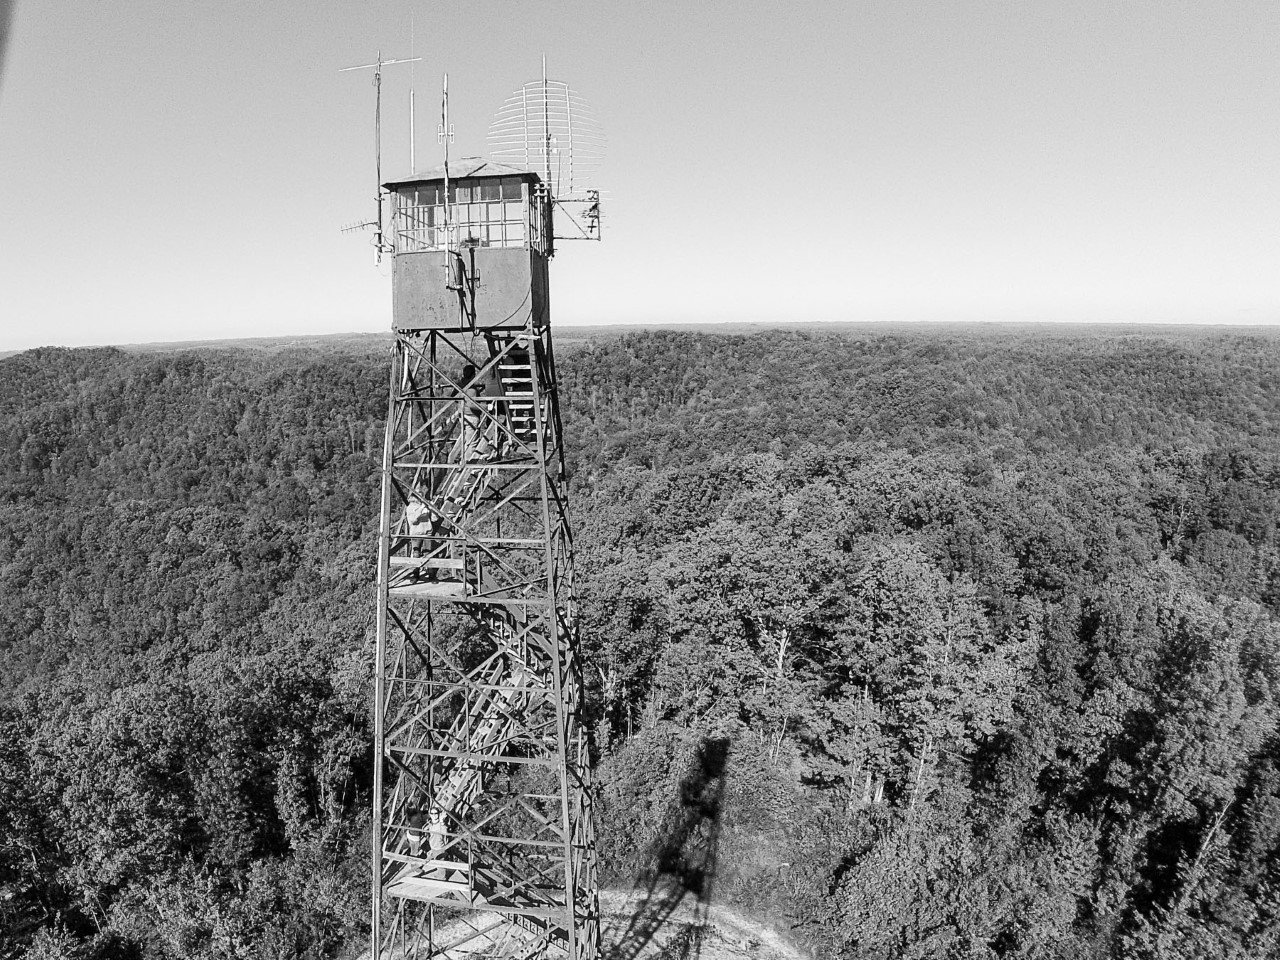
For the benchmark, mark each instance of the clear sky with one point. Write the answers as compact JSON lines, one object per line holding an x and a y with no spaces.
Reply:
{"x":180,"y":170}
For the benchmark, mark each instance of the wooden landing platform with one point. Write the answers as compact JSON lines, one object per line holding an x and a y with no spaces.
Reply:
{"x":431,"y":590}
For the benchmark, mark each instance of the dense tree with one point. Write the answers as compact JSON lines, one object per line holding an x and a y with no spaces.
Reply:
{"x":933,"y":644}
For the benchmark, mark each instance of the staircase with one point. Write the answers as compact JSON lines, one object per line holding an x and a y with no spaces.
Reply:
{"x":483,"y":729}
{"x":461,"y":496}
{"x":515,"y":371}
{"x":443,"y":871}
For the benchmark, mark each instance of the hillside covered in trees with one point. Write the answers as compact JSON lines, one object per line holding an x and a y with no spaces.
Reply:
{"x":938,"y":644}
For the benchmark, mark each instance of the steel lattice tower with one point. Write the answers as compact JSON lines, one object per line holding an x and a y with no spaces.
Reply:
{"x":483,"y":843}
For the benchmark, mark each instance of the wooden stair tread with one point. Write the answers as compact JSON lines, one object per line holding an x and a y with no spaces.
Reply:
{"x":453,"y":590}
{"x":431,"y":563}
{"x":413,"y":887}
{"x":458,"y":891}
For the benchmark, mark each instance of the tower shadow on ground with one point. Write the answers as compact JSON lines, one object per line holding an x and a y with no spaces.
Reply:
{"x":686,"y":863}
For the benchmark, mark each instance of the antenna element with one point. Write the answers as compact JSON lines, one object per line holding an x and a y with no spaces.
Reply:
{"x":379,"y":246}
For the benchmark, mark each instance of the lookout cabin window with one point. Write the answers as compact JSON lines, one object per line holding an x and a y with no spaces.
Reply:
{"x":482,"y":213}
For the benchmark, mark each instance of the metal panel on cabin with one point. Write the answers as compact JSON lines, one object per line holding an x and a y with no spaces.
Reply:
{"x":512,"y":283}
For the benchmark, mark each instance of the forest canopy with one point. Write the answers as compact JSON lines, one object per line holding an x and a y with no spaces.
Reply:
{"x":934,"y":644}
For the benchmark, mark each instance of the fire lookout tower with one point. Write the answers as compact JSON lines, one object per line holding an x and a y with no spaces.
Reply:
{"x":483,"y":842}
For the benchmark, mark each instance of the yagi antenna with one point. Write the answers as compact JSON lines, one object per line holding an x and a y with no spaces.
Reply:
{"x":379,"y":245}
{"x":545,"y":127}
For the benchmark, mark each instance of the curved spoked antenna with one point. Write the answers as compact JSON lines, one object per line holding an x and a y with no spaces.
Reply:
{"x":545,"y":127}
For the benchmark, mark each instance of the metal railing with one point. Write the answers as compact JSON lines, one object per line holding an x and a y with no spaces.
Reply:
{"x":499,"y":224}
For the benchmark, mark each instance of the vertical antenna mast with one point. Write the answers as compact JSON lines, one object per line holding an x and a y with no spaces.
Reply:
{"x":412,"y":164}
{"x":446,"y":135}
{"x":546,"y":125}
{"x":380,"y":247}
{"x":377,"y":153}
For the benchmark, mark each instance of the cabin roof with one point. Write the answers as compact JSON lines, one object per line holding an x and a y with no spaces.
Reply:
{"x":465,"y":168}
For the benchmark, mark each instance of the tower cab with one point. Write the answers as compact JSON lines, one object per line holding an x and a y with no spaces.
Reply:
{"x":471,"y":250}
